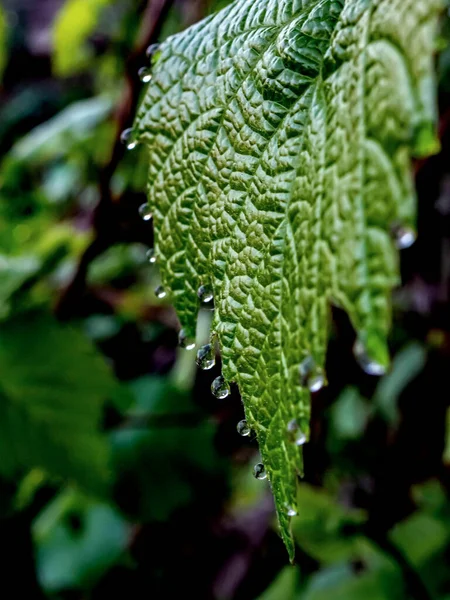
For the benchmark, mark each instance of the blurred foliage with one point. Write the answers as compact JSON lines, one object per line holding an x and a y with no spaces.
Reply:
{"x":75,"y":22}
{"x":3,"y":41}
{"x":120,"y":475}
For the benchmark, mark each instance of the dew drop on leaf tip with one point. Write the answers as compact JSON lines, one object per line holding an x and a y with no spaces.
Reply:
{"x":128,"y":138}
{"x":205,"y":357}
{"x":220,"y":388}
{"x":243,"y":428}
{"x":145,"y":74}
{"x":145,"y":212}
{"x":185,"y":341}
{"x":259,"y":471}
{"x":311,"y":375}
{"x":205,"y":294}
{"x":151,"y":256}
{"x":160,"y":292}
{"x":368,"y":365}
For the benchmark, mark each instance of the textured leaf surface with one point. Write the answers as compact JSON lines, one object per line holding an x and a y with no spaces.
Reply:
{"x":280,"y":134}
{"x":52,"y":390}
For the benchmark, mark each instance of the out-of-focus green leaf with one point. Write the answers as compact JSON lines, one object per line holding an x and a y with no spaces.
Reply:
{"x":318,"y":528}
{"x":430,"y":497}
{"x":283,"y":587}
{"x":75,"y":22}
{"x":420,"y":537}
{"x":77,"y":540}
{"x":163,"y":448}
{"x":54,"y":136}
{"x":52,"y":391}
{"x":349,"y":414}
{"x":378,"y":578}
{"x":14,"y":271}
{"x":406,"y":366}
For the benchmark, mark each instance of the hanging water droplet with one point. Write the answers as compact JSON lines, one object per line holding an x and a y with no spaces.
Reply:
{"x":220,"y":388}
{"x":300,"y":438}
{"x":160,"y":292}
{"x":151,"y":256}
{"x":368,"y":365}
{"x":259,"y":471}
{"x":291,"y":512}
{"x":311,"y":375}
{"x":243,"y":428}
{"x":128,"y":138}
{"x":151,"y":50}
{"x":144,"y":212}
{"x":205,"y":357}
{"x":145,"y":74}
{"x":316,"y":380}
{"x":205,"y":294}
{"x":404,"y":236}
{"x":295,"y":433}
{"x":185,"y":341}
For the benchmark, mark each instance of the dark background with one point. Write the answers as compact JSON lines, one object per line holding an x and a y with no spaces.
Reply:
{"x":173,"y":510}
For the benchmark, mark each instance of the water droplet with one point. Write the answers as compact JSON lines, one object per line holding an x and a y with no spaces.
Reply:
{"x":259,"y":471}
{"x":404,"y":236}
{"x":144,"y":212}
{"x":220,"y":388}
{"x":160,"y":292}
{"x":151,"y":256}
{"x":205,"y":294}
{"x":145,"y":74}
{"x":243,"y":428}
{"x":128,"y":138}
{"x":185,"y":341}
{"x":370,"y":366}
{"x":205,"y":357}
{"x":151,"y":50}
{"x":297,"y":435}
{"x":316,"y":380}
{"x":311,"y":375}
{"x":291,"y":512}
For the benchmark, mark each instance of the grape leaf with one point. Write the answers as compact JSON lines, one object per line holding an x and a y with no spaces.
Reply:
{"x":280,"y":134}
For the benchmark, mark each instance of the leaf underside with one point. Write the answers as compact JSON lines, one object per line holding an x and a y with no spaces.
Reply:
{"x":280,"y":134}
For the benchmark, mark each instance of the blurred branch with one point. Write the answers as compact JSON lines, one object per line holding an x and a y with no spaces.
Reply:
{"x":108,"y":226}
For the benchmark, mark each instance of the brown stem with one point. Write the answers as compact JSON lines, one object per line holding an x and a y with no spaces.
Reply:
{"x":107,"y":226}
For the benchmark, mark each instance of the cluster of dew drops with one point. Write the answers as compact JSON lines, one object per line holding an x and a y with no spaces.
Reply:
{"x":311,"y":374}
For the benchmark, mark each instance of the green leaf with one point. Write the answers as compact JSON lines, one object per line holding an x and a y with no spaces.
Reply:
{"x":52,"y":391}
{"x":279,"y":136}
{"x":320,"y":525}
{"x":77,"y":540}
{"x":54,"y":137}
{"x":75,"y":22}
{"x":167,"y":441}
{"x":405,"y":367}
{"x":284,"y":586}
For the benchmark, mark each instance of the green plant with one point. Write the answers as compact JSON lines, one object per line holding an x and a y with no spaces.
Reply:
{"x":280,"y":134}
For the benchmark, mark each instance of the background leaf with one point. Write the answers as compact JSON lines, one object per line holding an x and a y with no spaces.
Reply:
{"x":53,"y":388}
{"x":74,"y":24}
